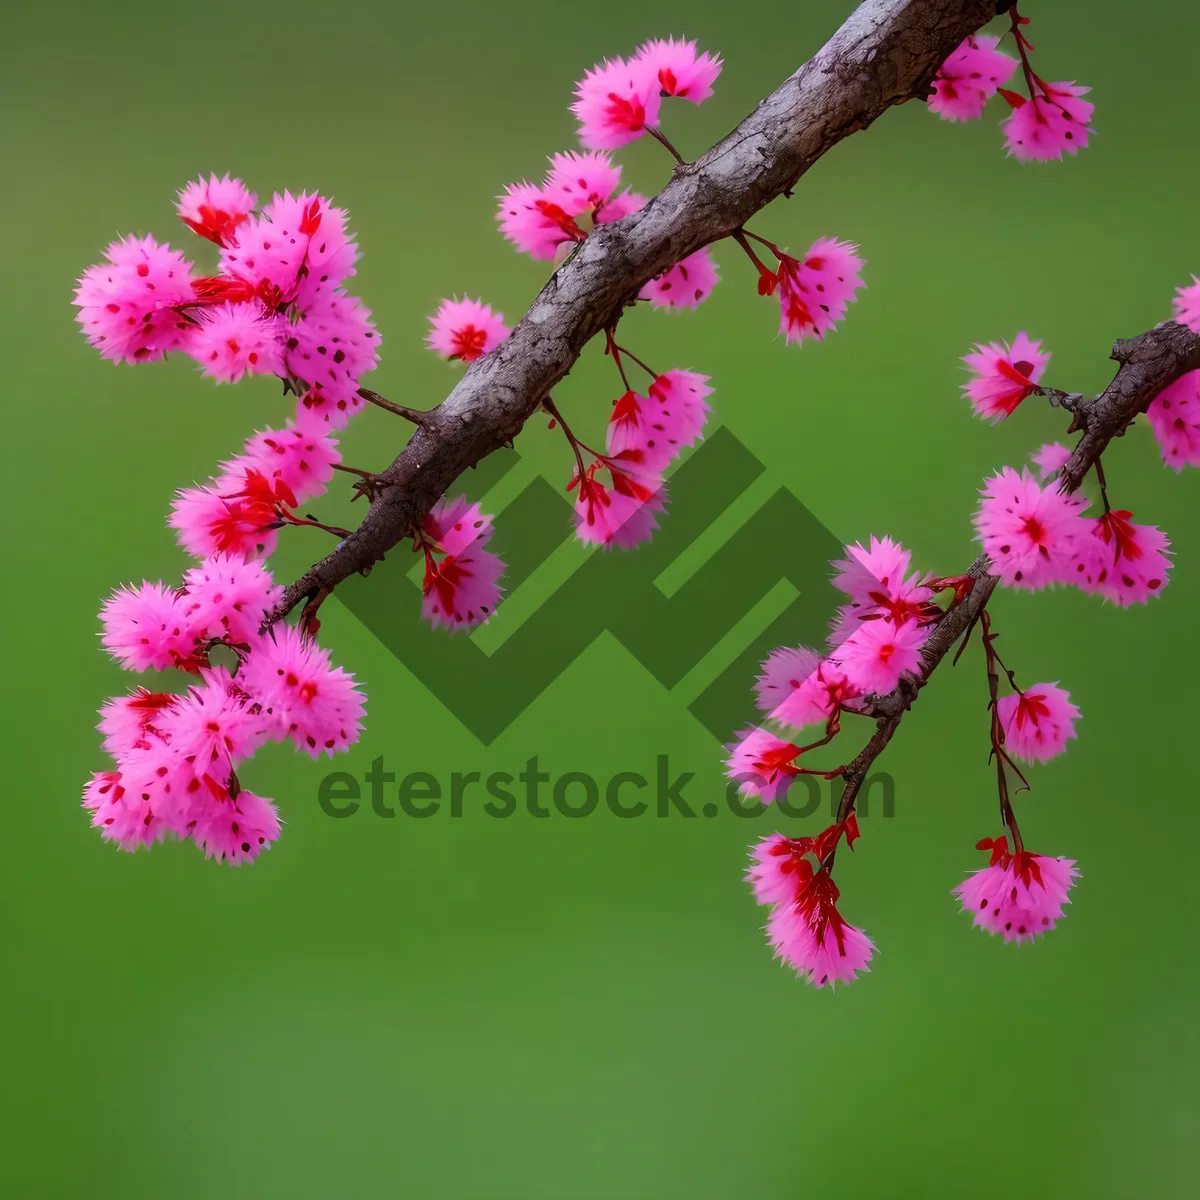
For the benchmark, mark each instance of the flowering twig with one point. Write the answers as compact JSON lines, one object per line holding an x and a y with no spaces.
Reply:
{"x":886,"y":53}
{"x":1148,"y":363}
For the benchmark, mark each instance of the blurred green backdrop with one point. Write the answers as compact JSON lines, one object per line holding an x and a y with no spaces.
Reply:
{"x":555,"y":1008}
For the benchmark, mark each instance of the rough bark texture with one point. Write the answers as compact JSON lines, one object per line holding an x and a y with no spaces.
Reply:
{"x":1148,"y":363}
{"x":886,"y":53}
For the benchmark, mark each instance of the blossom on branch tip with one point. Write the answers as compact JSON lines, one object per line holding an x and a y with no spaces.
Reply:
{"x":460,"y":586}
{"x":1123,"y":562}
{"x":1030,"y":533}
{"x":761,"y":764}
{"x":1003,"y":375}
{"x":1186,"y":305}
{"x":1017,"y":895}
{"x":581,"y":183}
{"x":685,"y":285}
{"x":1174,"y":416}
{"x":615,"y":102}
{"x":623,"y":513}
{"x":812,"y":937}
{"x":677,"y":67}
{"x":1038,"y":722}
{"x":969,"y":78}
{"x":814,"y":292}
{"x":213,"y":208}
{"x":465,"y":329}
{"x":1049,"y":125}
{"x":780,"y":870}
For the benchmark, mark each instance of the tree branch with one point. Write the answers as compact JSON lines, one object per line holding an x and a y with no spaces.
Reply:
{"x":886,"y":53}
{"x":1148,"y":363}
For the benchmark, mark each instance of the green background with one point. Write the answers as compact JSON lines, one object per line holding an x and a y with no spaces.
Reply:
{"x":565,"y":1008}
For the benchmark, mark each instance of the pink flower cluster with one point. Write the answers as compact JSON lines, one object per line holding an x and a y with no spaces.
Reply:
{"x":804,"y":927}
{"x":1004,"y":375}
{"x":177,"y":754}
{"x":1036,"y":536}
{"x":645,"y":434}
{"x":460,"y":572}
{"x":875,"y":640}
{"x":1037,"y":722}
{"x":275,"y":307}
{"x":1050,"y":121}
{"x":1017,"y":895}
{"x":617,"y":101}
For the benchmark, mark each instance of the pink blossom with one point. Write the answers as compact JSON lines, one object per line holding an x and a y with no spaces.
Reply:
{"x":232,"y":340}
{"x":330,"y":349}
{"x":1174,"y":415}
{"x":685,"y":285}
{"x":534,"y":222}
{"x":621,"y":205}
{"x":1123,"y":562}
{"x":646,"y":433}
{"x":147,"y":628}
{"x":1052,"y":457}
{"x":310,"y":701}
{"x":878,"y":653}
{"x":811,"y":936}
{"x":213,"y":728}
{"x":635,"y":437}
{"x":130,"y":721}
{"x":761,"y":764}
{"x":1030,"y":533}
{"x":230,"y":516}
{"x":874,"y":579}
{"x":581,"y":183}
{"x":814,"y":292}
{"x":301,"y":456}
{"x":1186,"y":305}
{"x":797,"y":688}
{"x":227,"y":598}
{"x":969,"y":78}
{"x":1017,"y":895}
{"x":615,"y":103}
{"x":215,"y":207}
{"x":680,"y":71}
{"x":128,"y":305}
{"x":780,"y":871}
{"x":461,"y":589}
{"x":297,"y":252}
{"x":236,"y":829}
{"x":682,"y":411}
{"x":1003,"y":375}
{"x":465,"y":329}
{"x":121,"y":814}
{"x":456,"y":526}
{"x":1038,"y":722}
{"x":1047,"y":126}
{"x":622,"y":514}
